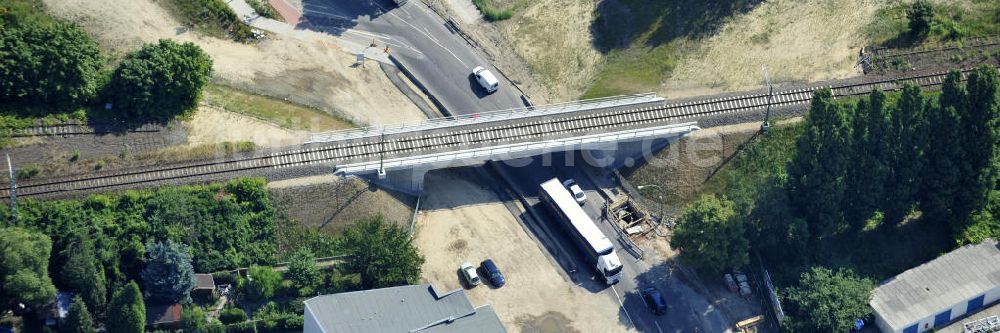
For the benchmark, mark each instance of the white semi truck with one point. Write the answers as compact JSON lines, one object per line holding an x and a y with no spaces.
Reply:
{"x":588,"y":238}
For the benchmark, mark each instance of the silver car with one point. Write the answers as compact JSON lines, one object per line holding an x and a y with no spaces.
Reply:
{"x":470,"y":275}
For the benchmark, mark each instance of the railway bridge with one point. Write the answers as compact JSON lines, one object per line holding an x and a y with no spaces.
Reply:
{"x":615,"y":131}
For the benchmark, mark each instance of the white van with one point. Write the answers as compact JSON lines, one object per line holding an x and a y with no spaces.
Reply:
{"x":486,"y":79}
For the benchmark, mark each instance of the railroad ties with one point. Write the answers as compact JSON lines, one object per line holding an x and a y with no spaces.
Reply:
{"x":493,"y":132}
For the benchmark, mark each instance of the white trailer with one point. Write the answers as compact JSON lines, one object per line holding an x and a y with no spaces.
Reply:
{"x":592,"y":243}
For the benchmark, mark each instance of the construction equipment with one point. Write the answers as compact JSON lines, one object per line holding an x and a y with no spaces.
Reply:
{"x":749,"y":325}
{"x":629,"y":217}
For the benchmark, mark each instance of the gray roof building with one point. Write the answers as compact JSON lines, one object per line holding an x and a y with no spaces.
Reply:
{"x":933,"y":294}
{"x":418,"y":308}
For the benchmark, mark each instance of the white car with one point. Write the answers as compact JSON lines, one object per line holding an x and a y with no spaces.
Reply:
{"x":470,"y":275}
{"x":574,"y":189}
{"x":486,"y":79}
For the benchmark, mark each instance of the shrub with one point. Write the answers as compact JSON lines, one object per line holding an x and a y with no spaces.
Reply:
{"x":54,"y":65}
{"x":232,"y":316}
{"x":920,"y":16}
{"x":263,"y":282}
{"x":491,"y":13}
{"x":244,"y":327}
{"x":160,"y":81}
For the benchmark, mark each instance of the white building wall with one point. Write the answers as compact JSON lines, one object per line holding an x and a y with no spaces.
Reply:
{"x":883,"y":326}
{"x":310,"y":325}
{"x":992,"y":296}
{"x":957,"y":311}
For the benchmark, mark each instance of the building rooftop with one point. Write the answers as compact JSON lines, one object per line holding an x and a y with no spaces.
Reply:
{"x":204,"y":281}
{"x":157,"y":314}
{"x":925,"y":290}
{"x":417,"y":308}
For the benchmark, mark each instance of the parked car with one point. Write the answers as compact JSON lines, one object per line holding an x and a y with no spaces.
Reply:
{"x":486,"y":79}
{"x":493,"y":273}
{"x":574,"y":189}
{"x":654,"y":299}
{"x":470,"y":275}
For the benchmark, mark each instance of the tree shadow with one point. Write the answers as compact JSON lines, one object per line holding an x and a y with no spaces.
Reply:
{"x":337,"y":16}
{"x":620,"y":24}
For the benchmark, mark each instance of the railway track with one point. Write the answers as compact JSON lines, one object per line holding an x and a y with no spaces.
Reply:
{"x":458,"y":137}
{"x":70,"y":129}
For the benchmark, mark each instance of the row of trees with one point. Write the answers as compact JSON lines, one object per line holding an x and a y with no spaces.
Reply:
{"x":57,"y":65}
{"x":883,"y":160}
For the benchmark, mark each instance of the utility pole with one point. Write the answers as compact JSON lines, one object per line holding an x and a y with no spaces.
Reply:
{"x":13,"y":191}
{"x":381,"y":154}
{"x":770,"y":96}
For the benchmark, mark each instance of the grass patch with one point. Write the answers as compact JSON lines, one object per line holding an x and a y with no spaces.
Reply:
{"x":264,"y":8}
{"x":210,"y":17}
{"x":643,"y":39}
{"x":15,"y":12}
{"x":952,"y":22}
{"x":499,"y":10}
{"x":280,"y":112}
{"x":634,"y":70}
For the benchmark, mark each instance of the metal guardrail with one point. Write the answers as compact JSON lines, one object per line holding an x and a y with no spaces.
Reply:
{"x":487,"y":153}
{"x":485,"y":117}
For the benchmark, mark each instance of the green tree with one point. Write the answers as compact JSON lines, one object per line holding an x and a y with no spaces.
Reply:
{"x":263,"y":281}
{"x":24,"y":268}
{"x":827,"y":301}
{"x":908,"y":128}
{"x":920,"y":15}
{"x":944,"y":154}
{"x":84,"y":273}
{"x":870,"y":150}
{"x":129,"y":310}
{"x":381,"y":253}
{"x":303,"y":272}
{"x":981,"y":141}
{"x":817,"y":173}
{"x":160,"y":80}
{"x":48,"y":64}
{"x":78,"y":319}
{"x":710,"y":237}
{"x":193,"y":319}
{"x":168,"y":275}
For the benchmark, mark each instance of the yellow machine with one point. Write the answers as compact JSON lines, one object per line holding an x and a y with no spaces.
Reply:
{"x":749,"y":325}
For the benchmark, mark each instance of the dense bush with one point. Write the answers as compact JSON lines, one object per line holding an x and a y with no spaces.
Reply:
{"x":24,"y":275}
{"x":263,"y":282}
{"x":492,"y":13}
{"x":129,"y":310}
{"x":710,"y":236}
{"x":226,"y":225}
{"x":381,"y":252}
{"x":244,"y":327}
{"x":54,"y":65}
{"x":211,"y":15}
{"x":160,"y":80}
{"x":827,"y":301}
{"x":232,"y":316}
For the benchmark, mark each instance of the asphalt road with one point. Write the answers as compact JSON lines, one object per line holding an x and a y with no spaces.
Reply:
{"x":687,"y":311}
{"x":419,"y":39}
{"x":442,"y":61}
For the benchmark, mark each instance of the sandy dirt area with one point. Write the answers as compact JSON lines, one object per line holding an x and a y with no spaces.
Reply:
{"x":806,"y":40}
{"x":213,"y":125}
{"x":798,"y":41}
{"x":308,"y":69}
{"x":331,"y":203}
{"x":553,"y":37}
{"x":461,"y":221}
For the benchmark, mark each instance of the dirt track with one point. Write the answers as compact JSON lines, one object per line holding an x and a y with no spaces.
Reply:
{"x":461,"y":221}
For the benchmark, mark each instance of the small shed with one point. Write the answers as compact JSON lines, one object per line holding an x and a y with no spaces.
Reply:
{"x":163,"y":315}
{"x":204,"y":287}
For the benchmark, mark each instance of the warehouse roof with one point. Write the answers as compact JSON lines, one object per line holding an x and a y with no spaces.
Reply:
{"x":925,"y":290}
{"x":417,"y":308}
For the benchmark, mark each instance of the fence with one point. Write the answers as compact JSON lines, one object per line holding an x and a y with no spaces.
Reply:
{"x":484,"y":117}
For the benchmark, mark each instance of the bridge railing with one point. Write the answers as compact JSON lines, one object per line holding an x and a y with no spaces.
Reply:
{"x":516,"y":149}
{"x":531,"y":111}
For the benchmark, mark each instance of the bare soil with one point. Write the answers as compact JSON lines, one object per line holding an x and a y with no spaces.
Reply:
{"x":331,"y":203}
{"x":798,"y":40}
{"x":212,"y":125}
{"x":309,"y":68}
{"x":460,"y":221}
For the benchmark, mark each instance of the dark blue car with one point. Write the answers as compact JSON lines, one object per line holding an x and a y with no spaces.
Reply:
{"x":493,"y":273}
{"x":654,"y":300}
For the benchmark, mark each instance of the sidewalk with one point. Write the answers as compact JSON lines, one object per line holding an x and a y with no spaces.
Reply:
{"x":248,"y":15}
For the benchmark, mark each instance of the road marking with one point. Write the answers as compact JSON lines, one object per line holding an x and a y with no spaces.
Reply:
{"x":622,"y":306}
{"x":428,"y":35}
{"x":658,"y":326}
